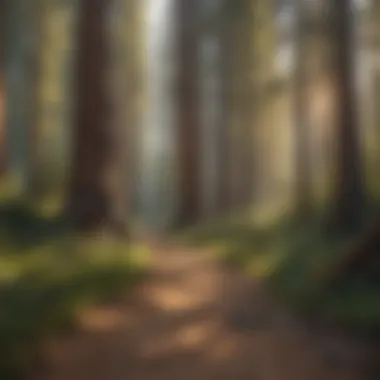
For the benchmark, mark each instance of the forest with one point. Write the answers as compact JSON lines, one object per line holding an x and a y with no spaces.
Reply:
{"x":189,"y":189}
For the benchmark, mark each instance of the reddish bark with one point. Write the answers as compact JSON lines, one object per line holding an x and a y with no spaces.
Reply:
{"x":95,"y":157}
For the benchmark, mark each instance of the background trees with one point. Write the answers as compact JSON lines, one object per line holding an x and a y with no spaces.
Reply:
{"x":218,"y":106}
{"x":227,"y":115}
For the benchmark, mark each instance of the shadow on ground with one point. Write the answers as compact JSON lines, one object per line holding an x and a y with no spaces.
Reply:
{"x":193,"y":318}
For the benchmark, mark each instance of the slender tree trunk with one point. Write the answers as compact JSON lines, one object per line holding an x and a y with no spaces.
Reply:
{"x":349,"y":188}
{"x":260,"y":106}
{"x":225,"y":58}
{"x":3,"y":41}
{"x":37,"y":17}
{"x":210,"y":78}
{"x":18,"y":58}
{"x":303,"y":174}
{"x":375,"y":32}
{"x":238,"y":101}
{"x":189,"y":122}
{"x":97,"y":174}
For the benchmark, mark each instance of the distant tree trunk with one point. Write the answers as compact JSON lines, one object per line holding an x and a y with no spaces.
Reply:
{"x":3,"y":41}
{"x":228,"y":105}
{"x":189,"y":121}
{"x":224,"y":58}
{"x":96,"y":187}
{"x":375,"y":32}
{"x":349,"y":198}
{"x":37,"y":17}
{"x":238,"y":101}
{"x":303,"y":174}
{"x":210,"y":100}
{"x":259,"y":108}
{"x":17,"y":82}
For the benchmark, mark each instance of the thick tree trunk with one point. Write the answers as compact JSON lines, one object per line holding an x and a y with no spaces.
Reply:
{"x":97,"y":174}
{"x":189,"y":121}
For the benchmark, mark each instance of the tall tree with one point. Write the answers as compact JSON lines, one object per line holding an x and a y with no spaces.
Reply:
{"x":189,"y":121}
{"x":302,"y":138}
{"x":97,"y":192}
{"x":210,"y":95}
{"x":263,"y":86}
{"x":248,"y":52}
{"x":375,"y":33}
{"x":349,"y":198}
{"x":19,"y":56}
{"x":238,"y":99}
{"x":3,"y":39}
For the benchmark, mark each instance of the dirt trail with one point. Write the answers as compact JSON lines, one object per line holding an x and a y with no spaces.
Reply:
{"x":195,"y":320}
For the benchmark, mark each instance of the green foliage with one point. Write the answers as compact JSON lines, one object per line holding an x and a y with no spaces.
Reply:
{"x":290,"y":259}
{"x":47,"y":277}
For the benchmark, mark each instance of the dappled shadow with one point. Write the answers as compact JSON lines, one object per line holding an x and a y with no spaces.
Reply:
{"x":196,"y":319}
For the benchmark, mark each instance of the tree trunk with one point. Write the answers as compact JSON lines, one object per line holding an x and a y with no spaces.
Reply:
{"x":189,"y":123}
{"x":3,"y":41}
{"x":17,"y":82}
{"x":238,"y":102}
{"x":349,"y":188}
{"x":303,"y":174}
{"x":96,"y":188}
{"x":210,"y":95}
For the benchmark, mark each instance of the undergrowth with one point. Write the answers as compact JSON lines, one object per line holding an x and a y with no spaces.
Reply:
{"x":289,"y":258}
{"x":48,"y":276}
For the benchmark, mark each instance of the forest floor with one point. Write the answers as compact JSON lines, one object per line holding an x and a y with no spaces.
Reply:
{"x":194,"y":318}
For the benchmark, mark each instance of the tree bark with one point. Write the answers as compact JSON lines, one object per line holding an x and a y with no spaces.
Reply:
{"x":3,"y":41}
{"x":96,"y":187}
{"x":349,"y":198}
{"x":189,"y":121}
{"x":303,"y":175}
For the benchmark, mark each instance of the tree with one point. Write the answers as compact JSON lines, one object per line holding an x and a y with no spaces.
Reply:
{"x":3,"y":155}
{"x":303,"y":176}
{"x":212,"y":124}
{"x":18,"y":59}
{"x":97,"y":190}
{"x":349,"y":200}
{"x":189,"y":121}
{"x":248,"y":52}
{"x":238,"y":44}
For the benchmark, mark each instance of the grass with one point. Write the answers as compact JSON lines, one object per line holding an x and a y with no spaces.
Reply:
{"x":47,"y":277}
{"x":289,"y":257}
